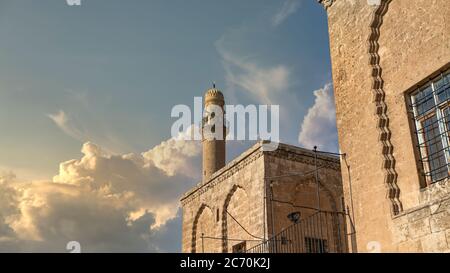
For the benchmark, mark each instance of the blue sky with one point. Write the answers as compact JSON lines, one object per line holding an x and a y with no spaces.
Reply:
{"x":110,"y":71}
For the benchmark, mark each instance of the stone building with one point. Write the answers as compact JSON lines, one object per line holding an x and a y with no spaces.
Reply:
{"x":264,"y":201}
{"x":390,"y":64}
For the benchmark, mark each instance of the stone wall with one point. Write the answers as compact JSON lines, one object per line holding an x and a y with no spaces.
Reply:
{"x":237,"y":188}
{"x":379,"y":53}
{"x":240,"y":188}
{"x":301,"y":190}
{"x":426,"y":228}
{"x":298,"y":193}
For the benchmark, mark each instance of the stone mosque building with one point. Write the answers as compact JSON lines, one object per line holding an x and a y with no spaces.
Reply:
{"x":260,"y":195}
{"x":391,"y":77}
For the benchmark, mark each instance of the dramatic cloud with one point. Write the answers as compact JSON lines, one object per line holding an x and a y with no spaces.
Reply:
{"x":170,"y":156}
{"x":319,"y":125}
{"x":106,"y":202}
{"x":289,"y":7}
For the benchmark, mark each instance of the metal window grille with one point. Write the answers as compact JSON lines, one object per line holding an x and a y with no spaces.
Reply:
{"x":315,"y":245}
{"x":431,"y":109}
{"x":321,"y":232}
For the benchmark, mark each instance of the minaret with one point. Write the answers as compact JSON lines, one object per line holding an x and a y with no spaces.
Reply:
{"x":213,"y":149}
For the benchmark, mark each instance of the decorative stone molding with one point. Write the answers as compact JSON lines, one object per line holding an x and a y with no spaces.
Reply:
{"x":307,"y":158}
{"x":393,"y":191}
{"x":284,"y":151}
{"x":214,"y":96}
{"x":202,"y":188}
{"x":326,"y":3}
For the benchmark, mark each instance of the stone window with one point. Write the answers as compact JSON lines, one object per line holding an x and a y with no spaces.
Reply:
{"x":431,"y":109}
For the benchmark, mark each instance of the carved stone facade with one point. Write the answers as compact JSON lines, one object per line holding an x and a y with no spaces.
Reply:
{"x":379,"y":55}
{"x":232,"y":206}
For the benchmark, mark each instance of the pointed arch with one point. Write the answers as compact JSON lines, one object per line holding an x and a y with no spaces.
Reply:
{"x":195,"y":226}
{"x":225,"y":206}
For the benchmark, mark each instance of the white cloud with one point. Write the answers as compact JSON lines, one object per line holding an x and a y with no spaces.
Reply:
{"x":172,"y":155}
{"x":126,"y":202}
{"x":253,"y":78}
{"x":62,"y":121}
{"x":319,"y":125}
{"x":265,"y":84}
{"x":289,"y":7}
{"x":90,"y":130}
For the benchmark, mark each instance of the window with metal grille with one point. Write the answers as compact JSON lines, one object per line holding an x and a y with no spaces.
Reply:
{"x":430,"y":105}
{"x":315,"y":245}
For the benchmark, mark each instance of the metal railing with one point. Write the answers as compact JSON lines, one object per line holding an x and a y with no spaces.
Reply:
{"x":321,"y":232}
